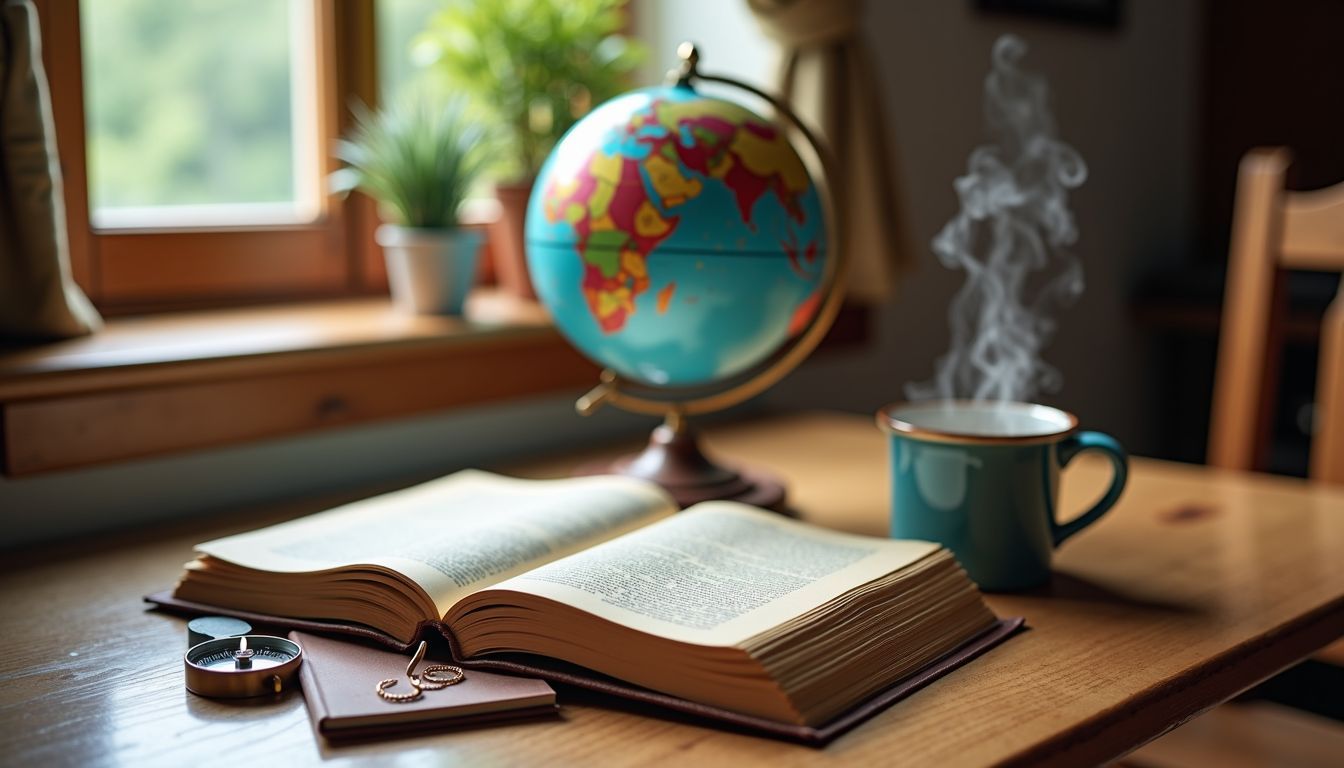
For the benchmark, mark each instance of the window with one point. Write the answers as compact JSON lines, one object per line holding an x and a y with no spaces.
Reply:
{"x":200,"y":113}
{"x":195,"y":140}
{"x":397,"y":23}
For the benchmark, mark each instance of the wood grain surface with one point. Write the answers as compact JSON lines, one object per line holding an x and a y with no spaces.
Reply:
{"x":1200,"y":583}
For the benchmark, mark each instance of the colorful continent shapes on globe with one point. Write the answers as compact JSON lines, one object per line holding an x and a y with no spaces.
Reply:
{"x":616,"y":233}
{"x":748,"y":156}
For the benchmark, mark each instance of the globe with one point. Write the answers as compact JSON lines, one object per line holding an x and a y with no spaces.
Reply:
{"x":677,"y":238}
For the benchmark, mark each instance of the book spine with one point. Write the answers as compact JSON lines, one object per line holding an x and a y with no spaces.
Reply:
{"x":312,"y":695}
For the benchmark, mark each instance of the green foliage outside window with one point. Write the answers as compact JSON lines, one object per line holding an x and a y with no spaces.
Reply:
{"x":187,"y":102}
{"x":534,"y":66}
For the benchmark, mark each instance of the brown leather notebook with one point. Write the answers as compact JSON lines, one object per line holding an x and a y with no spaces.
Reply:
{"x":339,"y":679}
{"x":649,"y":701}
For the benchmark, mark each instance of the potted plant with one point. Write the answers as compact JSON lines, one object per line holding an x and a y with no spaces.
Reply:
{"x":418,"y":158}
{"x":534,"y":67}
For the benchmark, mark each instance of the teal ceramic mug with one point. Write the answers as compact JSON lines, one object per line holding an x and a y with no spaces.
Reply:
{"x":982,"y":478}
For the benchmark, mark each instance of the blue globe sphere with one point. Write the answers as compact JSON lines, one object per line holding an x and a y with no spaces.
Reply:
{"x":676,"y":238}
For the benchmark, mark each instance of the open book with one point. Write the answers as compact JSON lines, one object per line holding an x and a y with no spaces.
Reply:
{"x":722,"y":604}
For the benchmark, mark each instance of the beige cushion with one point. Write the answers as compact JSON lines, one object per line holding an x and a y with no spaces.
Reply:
{"x":38,"y":298}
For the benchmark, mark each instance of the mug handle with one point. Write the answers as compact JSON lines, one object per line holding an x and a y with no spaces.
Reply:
{"x":1072,"y":446}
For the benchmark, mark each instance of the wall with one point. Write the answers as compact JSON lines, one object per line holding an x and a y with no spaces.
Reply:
{"x":727,"y":36}
{"x":1127,"y":99}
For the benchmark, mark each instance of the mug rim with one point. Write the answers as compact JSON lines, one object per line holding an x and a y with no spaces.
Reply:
{"x":890,"y":422}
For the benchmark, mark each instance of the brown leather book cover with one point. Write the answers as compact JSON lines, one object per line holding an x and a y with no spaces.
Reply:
{"x":339,"y":679}
{"x":631,"y":696}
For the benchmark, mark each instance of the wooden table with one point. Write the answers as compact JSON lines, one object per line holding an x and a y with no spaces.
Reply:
{"x":1199,"y":584}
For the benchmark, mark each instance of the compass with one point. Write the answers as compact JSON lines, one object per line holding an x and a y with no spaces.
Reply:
{"x":240,"y":667}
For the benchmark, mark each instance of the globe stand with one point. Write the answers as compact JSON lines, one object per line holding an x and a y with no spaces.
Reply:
{"x":673,"y":457}
{"x":674,"y":460}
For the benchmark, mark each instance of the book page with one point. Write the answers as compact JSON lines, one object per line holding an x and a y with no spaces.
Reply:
{"x":717,"y":574}
{"x":456,"y":534}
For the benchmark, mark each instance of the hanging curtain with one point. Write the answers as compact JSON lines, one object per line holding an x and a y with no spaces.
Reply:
{"x":38,"y":298}
{"x":827,"y":77}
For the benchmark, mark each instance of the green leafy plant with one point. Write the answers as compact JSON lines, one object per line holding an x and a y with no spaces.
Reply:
{"x":417,"y":157}
{"x":534,"y":66}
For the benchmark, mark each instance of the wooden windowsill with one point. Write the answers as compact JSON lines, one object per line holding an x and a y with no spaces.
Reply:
{"x":166,"y":383}
{"x":161,"y":384}
{"x":184,"y":346}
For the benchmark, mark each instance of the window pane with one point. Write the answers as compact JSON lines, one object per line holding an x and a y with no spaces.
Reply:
{"x":398,"y":22}
{"x":192,"y":113}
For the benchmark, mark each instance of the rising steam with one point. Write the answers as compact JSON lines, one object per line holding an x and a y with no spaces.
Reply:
{"x":1008,"y":236}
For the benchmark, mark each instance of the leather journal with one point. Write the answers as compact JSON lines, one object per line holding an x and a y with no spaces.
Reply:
{"x":339,"y":679}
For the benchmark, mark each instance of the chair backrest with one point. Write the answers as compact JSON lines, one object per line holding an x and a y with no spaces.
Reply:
{"x":1274,"y":230}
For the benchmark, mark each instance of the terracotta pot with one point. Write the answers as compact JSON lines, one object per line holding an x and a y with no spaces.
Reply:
{"x":506,"y":239}
{"x":429,"y":271}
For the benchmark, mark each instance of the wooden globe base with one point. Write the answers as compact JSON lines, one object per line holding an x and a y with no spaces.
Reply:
{"x":673,"y":459}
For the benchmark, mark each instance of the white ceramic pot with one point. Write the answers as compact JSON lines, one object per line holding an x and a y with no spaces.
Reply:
{"x":429,"y":271}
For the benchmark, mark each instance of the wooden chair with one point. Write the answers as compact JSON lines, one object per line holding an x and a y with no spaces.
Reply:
{"x":1275,"y":230}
